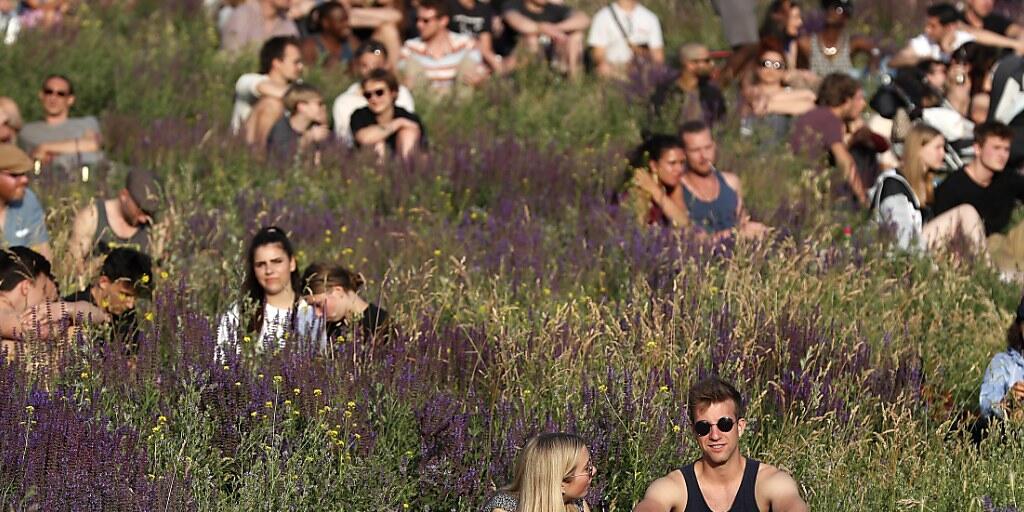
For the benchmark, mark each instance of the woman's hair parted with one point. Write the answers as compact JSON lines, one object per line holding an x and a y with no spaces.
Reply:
{"x":321,"y":277}
{"x":543,"y":464}
{"x":251,"y":287}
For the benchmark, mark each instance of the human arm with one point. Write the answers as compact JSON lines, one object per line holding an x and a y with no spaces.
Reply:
{"x":485,"y":43}
{"x":372,"y":17}
{"x":89,"y":142}
{"x":906,"y":57}
{"x":864,"y":45}
{"x":793,"y":102}
{"x":264,"y":115}
{"x":649,"y":183}
{"x":375,"y":133}
{"x":848,"y":168}
{"x":746,"y":227}
{"x":783,"y":493}
{"x":663,"y":495}
{"x":989,"y":38}
{"x":82,"y":232}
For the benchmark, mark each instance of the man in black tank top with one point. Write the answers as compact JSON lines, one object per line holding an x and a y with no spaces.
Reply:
{"x":722,"y":479}
{"x":124,"y":221}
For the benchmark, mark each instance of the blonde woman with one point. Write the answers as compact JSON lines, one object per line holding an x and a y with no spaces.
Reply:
{"x":552,"y":474}
{"x":904,"y":200}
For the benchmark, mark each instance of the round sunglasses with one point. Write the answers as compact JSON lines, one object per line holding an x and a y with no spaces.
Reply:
{"x":724,"y":424}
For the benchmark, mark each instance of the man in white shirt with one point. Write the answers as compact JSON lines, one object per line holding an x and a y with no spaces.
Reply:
{"x":280,"y":66}
{"x":621,"y":32}
{"x":369,"y":56}
{"x":944,"y":34}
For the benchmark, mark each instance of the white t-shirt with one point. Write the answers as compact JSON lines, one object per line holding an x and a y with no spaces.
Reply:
{"x":641,"y":25}
{"x":246,"y":96}
{"x":925,"y":49}
{"x":277,"y":322}
{"x":351,"y":100}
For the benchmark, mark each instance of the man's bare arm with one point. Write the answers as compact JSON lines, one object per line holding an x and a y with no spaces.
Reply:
{"x":663,"y":495}
{"x":784,"y":493}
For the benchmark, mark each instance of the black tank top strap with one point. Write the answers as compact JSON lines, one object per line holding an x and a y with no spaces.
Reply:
{"x":694,"y":498}
{"x":102,"y":223}
{"x":746,"y":499}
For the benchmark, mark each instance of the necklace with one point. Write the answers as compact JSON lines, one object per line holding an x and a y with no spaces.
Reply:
{"x":829,"y":51}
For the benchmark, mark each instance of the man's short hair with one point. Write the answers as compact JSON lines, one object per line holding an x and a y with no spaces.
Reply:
{"x":19,"y":264}
{"x":836,"y":89}
{"x":987,"y":130}
{"x":945,"y":12}
{"x":273,"y":50}
{"x":438,"y":6}
{"x":299,"y":93}
{"x":712,"y":390}
{"x":127,"y":264}
{"x":690,"y":51}
{"x":381,"y":75}
{"x":51,"y":76}
{"x":690,"y":128}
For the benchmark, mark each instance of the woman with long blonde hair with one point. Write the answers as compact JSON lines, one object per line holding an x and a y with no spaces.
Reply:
{"x":904,"y":200}
{"x":552,"y":474}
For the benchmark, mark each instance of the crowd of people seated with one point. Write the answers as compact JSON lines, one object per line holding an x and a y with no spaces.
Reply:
{"x":934,"y":156}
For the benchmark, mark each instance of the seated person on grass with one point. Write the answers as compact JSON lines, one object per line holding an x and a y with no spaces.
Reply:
{"x":722,"y":478}
{"x":10,"y":121}
{"x":303,"y":129}
{"x":994,"y":191}
{"x":22,"y":219}
{"x":691,"y":96}
{"x":333,"y":291}
{"x":59,"y":139}
{"x":657,"y":197}
{"x":439,"y":58}
{"x":25,"y":282}
{"x":478,"y":19}
{"x":624,"y":32}
{"x":540,"y":25}
{"x":712,"y":199}
{"x":382,"y":125}
{"x":331,"y":43}
{"x":1002,"y":391}
{"x":126,"y":274}
{"x":370,"y":56}
{"x":258,"y":95}
{"x":254,"y":22}
{"x":122,"y":221}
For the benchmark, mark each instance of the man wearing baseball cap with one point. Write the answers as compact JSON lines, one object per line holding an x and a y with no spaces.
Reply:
{"x":125,"y":220}
{"x":21,"y":215}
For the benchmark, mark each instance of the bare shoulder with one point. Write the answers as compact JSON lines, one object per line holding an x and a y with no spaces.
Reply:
{"x":731,"y":178}
{"x":779,"y":489}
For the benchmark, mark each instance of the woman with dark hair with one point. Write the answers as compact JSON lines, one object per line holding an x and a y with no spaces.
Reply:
{"x":768,"y":99}
{"x":1002,"y":391}
{"x":382,"y":124}
{"x":657,"y":195}
{"x":271,"y":309}
{"x":333,"y":291}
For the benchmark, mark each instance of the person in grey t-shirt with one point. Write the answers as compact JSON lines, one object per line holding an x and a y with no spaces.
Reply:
{"x":59,"y":140}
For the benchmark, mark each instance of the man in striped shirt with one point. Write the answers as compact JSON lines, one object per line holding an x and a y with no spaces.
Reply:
{"x":440,"y":58}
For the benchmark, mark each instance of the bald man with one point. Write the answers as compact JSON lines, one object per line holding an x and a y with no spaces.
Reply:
{"x":692,"y":96}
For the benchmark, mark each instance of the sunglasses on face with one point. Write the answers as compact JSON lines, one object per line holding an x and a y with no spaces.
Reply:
{"x":588,"y":470}
{"x":773,"y":64}
{"x":50,"y":92}
{"x":376,"y":92}
{"x":724,"y":424}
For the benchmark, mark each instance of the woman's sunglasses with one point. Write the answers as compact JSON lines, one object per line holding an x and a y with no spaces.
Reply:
{"x":773,"y":64}
{"x":376,"y":92}
{"x":724,"y":424}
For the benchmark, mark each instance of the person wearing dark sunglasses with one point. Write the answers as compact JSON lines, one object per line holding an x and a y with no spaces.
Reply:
{"x":722,"y":479}
{"x":383,"y":125}
{"x":370,"y":56}
{"x":59,"y":139}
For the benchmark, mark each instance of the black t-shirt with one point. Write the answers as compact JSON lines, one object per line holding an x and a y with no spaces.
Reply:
{"x":374,"y":322}
{"x":551,"y":13}
{"x":364,"y":117}
{"x":124,"y":327}
{"x":712,"y":102}
{"x":994,"y":203}
{"x":470,"y":22}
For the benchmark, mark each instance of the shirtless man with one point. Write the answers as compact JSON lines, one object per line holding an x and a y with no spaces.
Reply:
{"x":722,"y":479}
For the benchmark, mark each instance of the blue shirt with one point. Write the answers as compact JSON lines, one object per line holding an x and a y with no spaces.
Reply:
{"x":25,"y":223}
{"x":1006,"y":369}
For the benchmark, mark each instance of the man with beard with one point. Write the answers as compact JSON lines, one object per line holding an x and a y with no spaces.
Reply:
{"x":692,"y":96}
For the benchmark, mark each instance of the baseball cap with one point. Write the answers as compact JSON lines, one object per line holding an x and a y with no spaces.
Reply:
{"x":144,"y":189}
{"x":13,"y":160}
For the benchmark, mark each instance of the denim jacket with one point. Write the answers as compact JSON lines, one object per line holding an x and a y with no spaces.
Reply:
{"x":1003,"y":372}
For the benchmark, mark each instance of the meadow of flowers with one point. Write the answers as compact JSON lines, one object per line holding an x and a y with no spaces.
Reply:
{"x":523,"y":299}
